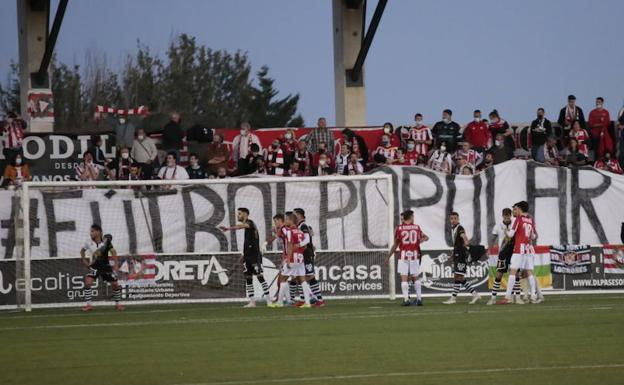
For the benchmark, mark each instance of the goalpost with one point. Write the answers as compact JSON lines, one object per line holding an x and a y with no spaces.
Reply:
{"x":170,"y":249}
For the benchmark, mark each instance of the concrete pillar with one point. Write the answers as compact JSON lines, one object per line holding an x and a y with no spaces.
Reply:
{"x":348,"y":23}
{"x":32,"y":29}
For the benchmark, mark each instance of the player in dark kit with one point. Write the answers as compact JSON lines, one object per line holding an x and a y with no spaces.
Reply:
{"x":100,"y":247}
{"x":252,"y":257}
{"x":460,"y":261}
{"x":505,"y":250}
{"x":308,"y":260}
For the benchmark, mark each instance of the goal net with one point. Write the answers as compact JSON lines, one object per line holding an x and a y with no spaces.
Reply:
{"x":169,"y":245}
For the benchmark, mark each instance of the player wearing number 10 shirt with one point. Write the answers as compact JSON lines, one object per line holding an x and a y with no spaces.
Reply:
{"x":408,"y":236}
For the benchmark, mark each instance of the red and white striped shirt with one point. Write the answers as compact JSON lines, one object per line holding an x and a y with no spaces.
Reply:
{"x":409,"y":237}
{"x":274,"y":156}
{"x":14,"y":133}
{"x":388,"y":152}
{"x":581,"y":137}
{"x":422,"y":133}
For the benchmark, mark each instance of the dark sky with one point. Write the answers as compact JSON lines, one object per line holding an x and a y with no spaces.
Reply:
{"x":428,"y":55}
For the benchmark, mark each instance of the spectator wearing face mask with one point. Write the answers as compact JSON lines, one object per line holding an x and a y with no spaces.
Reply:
{"x":323,"y":166}
{"x":274,"y":159}
{"x":477,"y":133}
{"x":289,"y":145}
{"x":548,"y":153}
{"x":462,"y":167}
{"x":582,"y":138}
{"x":322,"y":150}
{"x":421,"y":134}
{"x":124,"y":131}
{"x":500,"y":152}
{"x":87,"y":170}
{"x":172,"y":135}
{"x":304,"y":158}
{"x":13,"y":129}
{"x":171,"y":170}
{"x":241,"y":146}
{"x":386,"y":149}
{"x":354,"y":167}
{"x":499,"y":126}
{"x":608,"y":163}
{"x":440,"y":160}
{"x":388,"y":129}
{"x":401,"y":160}
{"x":411,"y":155}
{"x":17,"y":172}
{"x":194,"y":169}
{"x":568,"y":115}
{"x":342,"y":159}
{"x":320,"y":134}
{"x":470,"y":156}
{"x":144,"y":152}
{"x":446,"y":131}
{"x":357,"y":145}
{"x":250,"y":163}
{"x":218,"y":154}
{"x":120,"y":167}
{"x":541,"y":129}
{"x":599,"y":122}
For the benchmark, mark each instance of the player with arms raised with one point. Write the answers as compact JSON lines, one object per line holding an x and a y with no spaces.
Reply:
{"x":100,"y":247}
{"x":408,"y":236}
{"x":252,"y":258}
{"x":523,"y":228}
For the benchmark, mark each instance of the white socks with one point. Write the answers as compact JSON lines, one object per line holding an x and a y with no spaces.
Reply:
{"x":405,"y":290}
{"x":532,"y":285}
{"x":283,"y":292}
{"x":307,"y":292}
{"x":418,"y":286}
{"x":510,"y":285}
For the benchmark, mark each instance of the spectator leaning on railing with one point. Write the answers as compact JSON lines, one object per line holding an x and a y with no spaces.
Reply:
{"x":194,"y":169}
{"x":16,"y":172}
{"x":119,"y":169}
{"x":171,"y":170}
{"x":87,"y":170}
{"x":548,"y":153}
{"x":572,"y":157}
{"x":218,"y":154}
{"x":607,"y":163}
{"x":354,"y":167}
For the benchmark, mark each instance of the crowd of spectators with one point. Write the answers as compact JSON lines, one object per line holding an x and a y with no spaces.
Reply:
{"x":446,"y":147}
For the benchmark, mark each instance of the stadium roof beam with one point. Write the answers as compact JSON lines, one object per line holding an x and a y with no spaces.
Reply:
{"x":351,"y":45}
{"x":50,"y":42}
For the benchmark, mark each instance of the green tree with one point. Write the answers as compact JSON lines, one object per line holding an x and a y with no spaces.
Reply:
{"x":266,"y":111}
{"x":10,"y":91}
{"x":69,"y":111}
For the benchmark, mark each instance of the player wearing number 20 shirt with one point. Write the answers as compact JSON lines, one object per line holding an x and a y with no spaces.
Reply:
{"x":408,"y":236}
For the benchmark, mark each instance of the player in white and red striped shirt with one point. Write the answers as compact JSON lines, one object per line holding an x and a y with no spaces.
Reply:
{"x":422,"y":136}
{"x":408,"y":236}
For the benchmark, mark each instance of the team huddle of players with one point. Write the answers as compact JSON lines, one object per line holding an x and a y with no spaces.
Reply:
{"x":516,"y":255}
{"x":296,"y":281}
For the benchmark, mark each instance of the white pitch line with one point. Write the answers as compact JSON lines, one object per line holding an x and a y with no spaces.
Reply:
{"x":406,"y":374}
{"x":284,"y":317}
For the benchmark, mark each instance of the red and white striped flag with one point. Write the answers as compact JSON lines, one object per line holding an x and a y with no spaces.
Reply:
{"x":613,"y":259}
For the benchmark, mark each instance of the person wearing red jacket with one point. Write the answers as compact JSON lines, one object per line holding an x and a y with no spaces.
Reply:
{"x":598,"y":122}
{"x":411,"y":155}
{"x":401,"y":159}
{"x":477,"y":133}
{"x":322,"y":150}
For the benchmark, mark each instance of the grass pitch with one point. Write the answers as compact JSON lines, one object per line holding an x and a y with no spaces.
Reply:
{"x":566,"y":340}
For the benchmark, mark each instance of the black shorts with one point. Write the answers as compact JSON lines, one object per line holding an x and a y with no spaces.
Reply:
{"x":308,"y":263}
{"x":460,"y":263}
{"x":106,"y":273}
{"x":252,"y":266}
